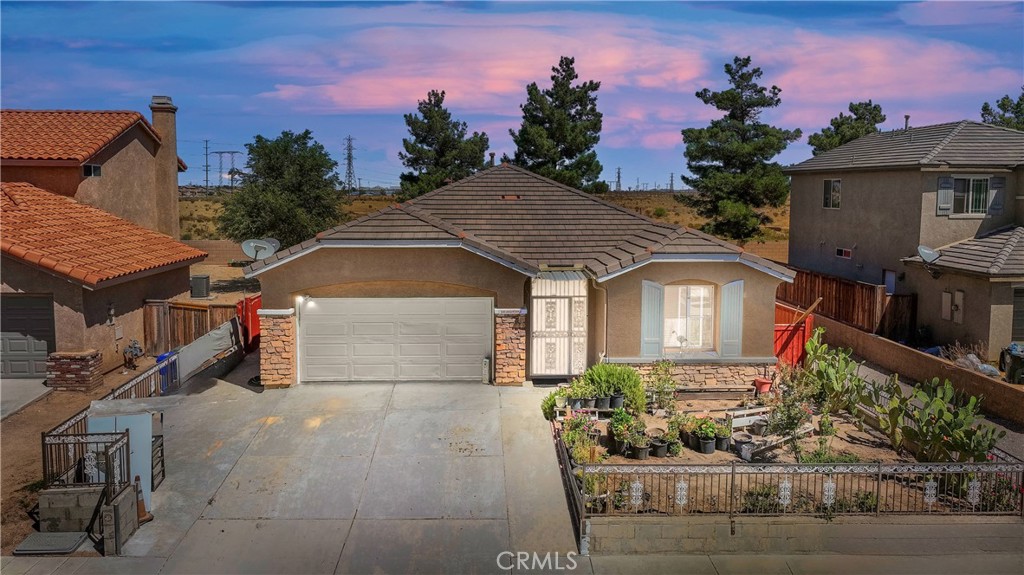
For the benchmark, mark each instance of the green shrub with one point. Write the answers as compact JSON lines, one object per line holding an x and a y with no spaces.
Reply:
{"x":761,"y":499}
{"x":824,"y":455}
{"x":660,"y":212}
{"x":620,"y":379}
{"x":662,"y":385}
{"x":547,"y":406}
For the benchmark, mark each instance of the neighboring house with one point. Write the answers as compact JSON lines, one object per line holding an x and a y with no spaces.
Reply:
{"x":74,"y":280}
{"x":506,"y":276}
{"x":113,"y":160}
{"x":860,"y":210}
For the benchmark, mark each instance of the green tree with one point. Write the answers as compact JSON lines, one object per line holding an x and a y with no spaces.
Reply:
{"x":289,"y":191}
{"x":1008,"y":113}
{"x":730,"y":159}
{"x":863,"y":120}
{"x":439,"y":150}
{"x":561,"y":125}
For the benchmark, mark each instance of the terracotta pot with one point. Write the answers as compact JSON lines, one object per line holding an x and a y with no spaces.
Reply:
{"x":762,"y":385}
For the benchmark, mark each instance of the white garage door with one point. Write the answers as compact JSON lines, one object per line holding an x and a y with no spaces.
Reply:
{"x":394,"y":339}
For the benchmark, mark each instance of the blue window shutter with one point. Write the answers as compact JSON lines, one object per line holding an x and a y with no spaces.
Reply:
{"x":944,"y":197}
{"x":652,"y":319}
{"x":732,"y":319}
{"x":996,"y":195}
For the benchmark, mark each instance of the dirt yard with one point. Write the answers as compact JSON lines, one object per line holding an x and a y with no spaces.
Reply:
{"x":21,"y":452}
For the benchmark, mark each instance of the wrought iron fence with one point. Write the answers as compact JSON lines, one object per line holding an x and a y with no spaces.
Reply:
{"x":87,"y":459}
{"x":989,"y":488}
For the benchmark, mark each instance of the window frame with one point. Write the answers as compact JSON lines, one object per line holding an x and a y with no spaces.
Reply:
{"x":844,"y":253}
{"x":684,"y":303}
{"x":92,"y":170}
{"x":831,"y":198}
{"x":969,"y":193}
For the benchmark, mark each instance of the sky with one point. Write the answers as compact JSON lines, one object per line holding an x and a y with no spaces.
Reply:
{"x":238,"y":69}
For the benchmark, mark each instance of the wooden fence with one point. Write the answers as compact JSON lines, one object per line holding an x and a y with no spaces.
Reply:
{"x":173,"y":324}
{"x":862,"y":305}
{"x":791,"y":337}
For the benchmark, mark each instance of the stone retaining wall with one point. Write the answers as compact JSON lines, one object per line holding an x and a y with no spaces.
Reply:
{"x":712,"y":375}
{"x":510,"y":349}
{"x":78,"y":370}
{"x":864,"y":535}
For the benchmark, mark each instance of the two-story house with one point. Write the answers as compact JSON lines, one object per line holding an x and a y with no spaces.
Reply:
{"x":862,"y":210}
{"x":114,"y":160}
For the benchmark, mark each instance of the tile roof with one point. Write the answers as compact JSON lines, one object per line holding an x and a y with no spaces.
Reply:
{"x":80,"y":242}
{"x":997,"y":254}
{"x":71,"y":135}
{"x":965,"y":143}
{"x":530,"y":221}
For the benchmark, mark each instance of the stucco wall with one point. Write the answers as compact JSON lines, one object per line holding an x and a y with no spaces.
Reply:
{"x":126,"y":186}
{"x":937,"y":231}
{"x":80,"y":315}
{"x":878,"y":220}
{"x":392,"y":272}
{"x":624,"y":302}
{"x":63,"y":181}
{"x":979,"y":296}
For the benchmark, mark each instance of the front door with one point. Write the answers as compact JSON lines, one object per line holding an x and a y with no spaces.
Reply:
{"x":558,"y":327}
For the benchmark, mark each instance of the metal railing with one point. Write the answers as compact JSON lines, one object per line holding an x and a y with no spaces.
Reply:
{"x":87,"y":459}
{"x":988,"y":488}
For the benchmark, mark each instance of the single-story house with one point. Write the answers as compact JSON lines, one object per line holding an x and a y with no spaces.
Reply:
{"x":506,"y":276}
{"x":74,"y":279}
{"x":974,"y":290}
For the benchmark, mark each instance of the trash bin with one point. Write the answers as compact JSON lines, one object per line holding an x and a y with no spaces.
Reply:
{"x":168,"y":373}
{"x":1011,"y":361}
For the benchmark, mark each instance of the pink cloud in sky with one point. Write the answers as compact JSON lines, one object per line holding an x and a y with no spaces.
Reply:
{"x":958,"y":13}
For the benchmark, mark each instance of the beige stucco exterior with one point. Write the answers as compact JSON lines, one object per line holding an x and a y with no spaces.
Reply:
{"x":883,"y":216}
{"x":81,"y":315}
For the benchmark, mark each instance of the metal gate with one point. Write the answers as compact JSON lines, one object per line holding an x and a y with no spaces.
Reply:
{"x":558,"y":328}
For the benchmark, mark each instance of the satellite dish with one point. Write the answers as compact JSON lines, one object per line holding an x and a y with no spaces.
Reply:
{"x":274,"y":243}
{"x":927,"y":254}
{"x":259,"y":249}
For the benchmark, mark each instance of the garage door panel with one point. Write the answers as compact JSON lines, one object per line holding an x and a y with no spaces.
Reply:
{"x":17,"y":346}
{"x":414,"y":339}
{"x":27,"y":335}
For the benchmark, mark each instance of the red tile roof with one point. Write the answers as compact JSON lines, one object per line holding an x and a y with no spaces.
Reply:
{"x":73,"y":135}
{"x":83,"y":243}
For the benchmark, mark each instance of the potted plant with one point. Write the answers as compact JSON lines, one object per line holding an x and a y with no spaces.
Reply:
{"x":574,"y":394}
{"x":690,"y":429}
{"x":641,"y":445}
{"x":619,"y":425}
{"x":674,"y":448}
{"x":603,"y":393}
{"x":705,"y":433}
{"x":659,"y":445}
{"x":723,"y":434}
{"x":561,"y":397}
{"x":588,"y":393}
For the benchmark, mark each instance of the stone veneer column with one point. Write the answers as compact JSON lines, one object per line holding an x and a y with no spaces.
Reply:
{"x":510,"y":348}
{"x":277,"y":348}
{"x":75,"y":370}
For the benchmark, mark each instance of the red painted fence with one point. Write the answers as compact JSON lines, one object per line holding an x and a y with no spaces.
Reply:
{"x":790,"y":337}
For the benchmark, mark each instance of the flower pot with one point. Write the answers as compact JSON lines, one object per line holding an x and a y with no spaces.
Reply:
{"x":762,"y":385}
{"x":744,"y":444}
{"x":576,"y":402}
{"x":659,"y":448}
{"x":722,"y":443}
{"x":621,"y":447}
{"x":694,"y":442}
{"x":616,"y":400}
{"x":588,"y":402}
{"x":707,"y":446}
{"x":641,"y":452}
{"x":603,"y":402}
{"x":684,"y":437}
{"x":560,"y":401}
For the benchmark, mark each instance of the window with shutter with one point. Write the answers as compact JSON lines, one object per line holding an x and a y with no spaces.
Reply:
{"x":944,"y":197}
{"x":996,"y":195}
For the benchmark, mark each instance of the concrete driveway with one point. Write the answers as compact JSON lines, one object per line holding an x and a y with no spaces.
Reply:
{"x":353,"y":478}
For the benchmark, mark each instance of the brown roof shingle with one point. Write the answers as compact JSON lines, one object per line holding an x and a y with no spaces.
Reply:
{"x":531,"y":221}
{"x":80,"y":242}
{"x":997,"y":254}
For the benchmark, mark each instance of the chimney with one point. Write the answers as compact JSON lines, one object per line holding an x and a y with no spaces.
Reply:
{"x":492,"y":159}
{"x":906,"y":121}
{"x":166,"y":165}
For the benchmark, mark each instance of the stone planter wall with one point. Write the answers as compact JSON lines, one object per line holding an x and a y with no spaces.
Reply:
{"x":510,"y":349}
{"x":78,"y":370}
{"x":712,"y":375}
{"x":277,"y":348}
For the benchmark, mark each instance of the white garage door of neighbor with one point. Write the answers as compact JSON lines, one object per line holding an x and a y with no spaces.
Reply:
{"x":394,"y":339}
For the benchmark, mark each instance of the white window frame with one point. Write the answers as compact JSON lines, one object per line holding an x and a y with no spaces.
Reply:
{"x":844,"y":253}
{"x":968,"y":195}
{"x":91,"y":170}
{"x":680,"y":315}
{"x":833,"y":198}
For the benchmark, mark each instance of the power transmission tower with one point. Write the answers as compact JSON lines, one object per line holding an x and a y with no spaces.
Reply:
{"x":231,"y":172}
{"x":220,"y":165}
{"x":618,"y":179}
{"x":672,"y":181}
{"x":206,"y":166}
{"x":350,"y":168}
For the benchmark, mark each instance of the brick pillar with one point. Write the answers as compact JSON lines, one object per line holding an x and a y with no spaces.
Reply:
{"x":75,"y":370}
{"x":277,"y":348}
{"x":510,"y":349}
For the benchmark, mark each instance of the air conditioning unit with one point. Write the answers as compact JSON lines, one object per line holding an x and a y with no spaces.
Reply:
{"x":200,"y":286}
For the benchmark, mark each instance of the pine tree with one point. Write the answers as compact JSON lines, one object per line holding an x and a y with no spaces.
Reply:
{"x":438,"y":151}
{"x":864,"y":120}
{"x":1010,"y":113}
{"x":561,"y":125}
{"x":730,"y":159}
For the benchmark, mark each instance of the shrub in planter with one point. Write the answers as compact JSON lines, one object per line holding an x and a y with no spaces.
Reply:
{"x":619,"y":426}
{"x":661,"y":386}
{"x":640,"y":445}
{"x":547,"y":406}
{"x":561,"y":399}
{"x":674,"y":448}
{"x":705,"y":433}
{"x":723,"y":434}
{"x":624,"y":381}
{"x":659,"y":446}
